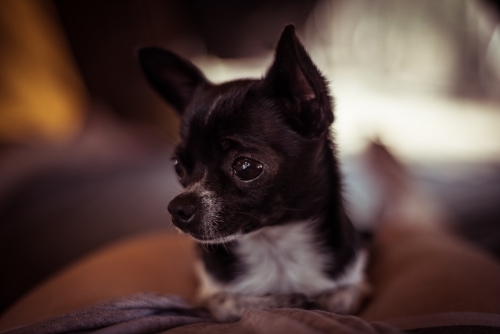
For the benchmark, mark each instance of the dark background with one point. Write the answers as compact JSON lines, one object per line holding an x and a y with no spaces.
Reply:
{"x":110,"y":177}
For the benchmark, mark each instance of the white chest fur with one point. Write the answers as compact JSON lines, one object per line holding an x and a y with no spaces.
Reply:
{"x":282,"y":259}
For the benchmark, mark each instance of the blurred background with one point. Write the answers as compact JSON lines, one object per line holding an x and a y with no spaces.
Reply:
{"x":85,"y":143}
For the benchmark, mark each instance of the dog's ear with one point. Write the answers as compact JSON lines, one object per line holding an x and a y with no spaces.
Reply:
{"x":299,"y":84}
{"x":175,"y":78}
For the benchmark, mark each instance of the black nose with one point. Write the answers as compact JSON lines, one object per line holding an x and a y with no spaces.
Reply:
{"x":183,"y":208}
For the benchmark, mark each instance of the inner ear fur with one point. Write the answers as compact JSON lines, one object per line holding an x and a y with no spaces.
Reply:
{"x":173,"y":77}
{"x":300,"y":85}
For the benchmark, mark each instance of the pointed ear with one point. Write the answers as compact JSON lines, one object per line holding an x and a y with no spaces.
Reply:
{"x":300,"y":86}
{"x":175,"y":78}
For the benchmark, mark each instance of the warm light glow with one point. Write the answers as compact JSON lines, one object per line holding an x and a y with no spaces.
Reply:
{"x":41,"y":95}
{"x":401,"y":89}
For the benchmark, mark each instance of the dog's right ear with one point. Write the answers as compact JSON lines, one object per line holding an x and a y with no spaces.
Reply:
{"x":301,"y":86}
{"x":174,"y":78}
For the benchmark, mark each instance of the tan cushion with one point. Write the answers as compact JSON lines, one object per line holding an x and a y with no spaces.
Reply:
{"x":418,"y":271}
{"x":159,"y":262}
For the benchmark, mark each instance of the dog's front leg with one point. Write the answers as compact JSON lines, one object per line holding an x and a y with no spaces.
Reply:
{"x":228,"y":307}
{"x":346,"y":299}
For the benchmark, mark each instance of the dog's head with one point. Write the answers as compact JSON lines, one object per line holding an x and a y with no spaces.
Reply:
{"x":252,"y":152}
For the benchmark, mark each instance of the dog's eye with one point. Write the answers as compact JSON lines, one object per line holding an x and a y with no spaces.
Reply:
{"x":247,"y":169}
{"x":178,"y":167}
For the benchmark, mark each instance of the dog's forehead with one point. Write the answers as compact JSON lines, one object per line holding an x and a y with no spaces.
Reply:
{"x":233,"y":107}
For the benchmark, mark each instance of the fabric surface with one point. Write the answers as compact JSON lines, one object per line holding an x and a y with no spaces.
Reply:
{"x":290,"y":321}
{"x":139,"y":313}
{"x":159,"y":262}
{"x":152,"y":313}
{"x":416,"y":271}
{"x":446,"y":319}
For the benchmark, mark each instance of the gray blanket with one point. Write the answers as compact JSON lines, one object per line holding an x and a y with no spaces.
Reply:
{"x":150,"y":313}
{"x":140,"y":313}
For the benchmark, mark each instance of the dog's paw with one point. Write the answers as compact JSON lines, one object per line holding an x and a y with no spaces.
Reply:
{"x":227,"y":307}
{"x":344,"y":300}
{"x":224,"y":307}
{"x":294,"y":300}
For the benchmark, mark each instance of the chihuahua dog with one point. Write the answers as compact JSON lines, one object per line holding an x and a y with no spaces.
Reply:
{"x":262,"y":186}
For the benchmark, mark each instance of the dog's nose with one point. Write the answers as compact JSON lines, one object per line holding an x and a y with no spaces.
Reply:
{"x":183,"y":208}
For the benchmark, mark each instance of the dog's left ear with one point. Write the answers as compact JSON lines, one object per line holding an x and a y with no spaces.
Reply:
{"x":301,"y":87}
{"x":176,"y":79}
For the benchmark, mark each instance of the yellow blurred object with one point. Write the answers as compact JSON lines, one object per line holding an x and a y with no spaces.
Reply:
{"x":41,"y":95}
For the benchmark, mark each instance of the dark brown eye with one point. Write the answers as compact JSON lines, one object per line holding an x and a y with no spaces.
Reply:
{"x":178,"y":167}
{"x":247,"y":169}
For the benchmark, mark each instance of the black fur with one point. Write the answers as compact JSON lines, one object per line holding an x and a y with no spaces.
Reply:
{"x":221,"y":261}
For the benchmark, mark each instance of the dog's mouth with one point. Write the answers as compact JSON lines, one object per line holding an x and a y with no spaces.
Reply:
{"x":214,"y":239}
{"x":219,"y":240}
{"x":209,"y":239}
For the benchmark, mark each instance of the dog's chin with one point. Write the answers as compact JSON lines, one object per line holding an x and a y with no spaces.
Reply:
{"x":203,"y":239}
{"x":217,"y":240}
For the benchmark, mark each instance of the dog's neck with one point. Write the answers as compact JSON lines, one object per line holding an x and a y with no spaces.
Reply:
{"x":329,"y":225}
{"x":328,"y":191}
